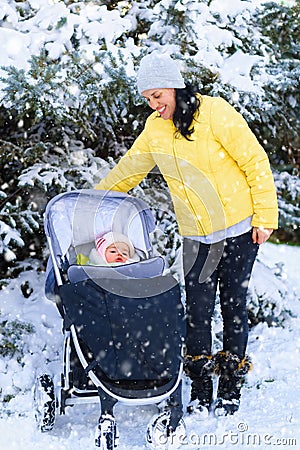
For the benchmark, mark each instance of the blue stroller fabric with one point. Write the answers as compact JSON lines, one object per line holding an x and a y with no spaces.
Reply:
{"x":131,"y":336}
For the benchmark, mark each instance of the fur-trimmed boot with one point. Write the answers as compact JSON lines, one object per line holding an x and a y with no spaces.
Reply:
{"x":200,"y":370}
{"x":232,"y":370}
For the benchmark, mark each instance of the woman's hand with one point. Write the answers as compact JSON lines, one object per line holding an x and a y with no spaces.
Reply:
{"x":261,"y":235}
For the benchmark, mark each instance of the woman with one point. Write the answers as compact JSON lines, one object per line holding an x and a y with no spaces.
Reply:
{"x":225,"y":203}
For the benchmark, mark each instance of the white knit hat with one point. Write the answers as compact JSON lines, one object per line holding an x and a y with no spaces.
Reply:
{"x":158,"y":70}
{"x":102,"y":242}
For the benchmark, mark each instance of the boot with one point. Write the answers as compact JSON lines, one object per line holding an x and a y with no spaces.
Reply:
{"x":232,"y":370}
{"x":200,"y":370}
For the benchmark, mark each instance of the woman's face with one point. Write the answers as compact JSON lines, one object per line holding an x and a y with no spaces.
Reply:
{"x":162,"y":100}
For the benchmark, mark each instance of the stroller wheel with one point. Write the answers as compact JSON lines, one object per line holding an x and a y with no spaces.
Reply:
{"x":107,"y":433}
{"x":161,"y":436}
{"x":44,"y":399}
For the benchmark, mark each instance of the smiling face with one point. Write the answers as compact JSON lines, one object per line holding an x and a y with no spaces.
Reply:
{"x":162,"y":100}
{"x":117,"y":252}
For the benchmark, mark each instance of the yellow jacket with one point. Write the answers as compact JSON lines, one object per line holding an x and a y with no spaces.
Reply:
{"x":216,"y":180}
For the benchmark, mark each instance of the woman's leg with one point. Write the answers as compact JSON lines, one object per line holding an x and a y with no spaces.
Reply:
{"x":200,"y":298}
{"x":200,"y":302}
{"x":234,"y":275}
{"x":232,"y":364}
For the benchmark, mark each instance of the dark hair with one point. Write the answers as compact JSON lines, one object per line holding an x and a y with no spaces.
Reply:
{"x":187,"y":104}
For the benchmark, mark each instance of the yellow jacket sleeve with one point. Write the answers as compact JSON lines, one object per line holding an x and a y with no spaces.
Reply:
{"x":131,"y":168}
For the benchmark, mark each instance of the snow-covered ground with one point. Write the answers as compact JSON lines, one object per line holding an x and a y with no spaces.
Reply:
{"x":269,"y":415}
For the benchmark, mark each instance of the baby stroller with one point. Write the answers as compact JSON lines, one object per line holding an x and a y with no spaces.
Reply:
{"x":123,"y":326}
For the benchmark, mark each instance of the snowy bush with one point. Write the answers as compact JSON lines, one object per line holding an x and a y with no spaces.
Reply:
{"x":280,"y":120}
{"x":288,"y":187}
{"x":12,"y":351}
{"x":268,"y":295}
{"x":30,"y":177}
{"x":11,"y":335}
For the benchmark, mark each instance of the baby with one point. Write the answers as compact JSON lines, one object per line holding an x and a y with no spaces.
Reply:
{"x":113,"y":249}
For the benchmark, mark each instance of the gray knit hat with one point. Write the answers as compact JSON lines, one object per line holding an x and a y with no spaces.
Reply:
{"x":158,"y":70}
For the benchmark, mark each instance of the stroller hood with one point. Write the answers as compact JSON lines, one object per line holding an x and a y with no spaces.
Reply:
{"x":76,"y":217}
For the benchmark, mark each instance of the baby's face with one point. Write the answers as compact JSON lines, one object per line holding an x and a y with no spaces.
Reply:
{"x":117,"y":252}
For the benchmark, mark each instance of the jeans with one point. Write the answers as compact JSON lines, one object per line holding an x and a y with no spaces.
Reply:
{"x":227,"y":264}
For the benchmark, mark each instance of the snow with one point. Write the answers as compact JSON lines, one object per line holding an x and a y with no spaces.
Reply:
{"x":236,"y":70}
{"x":55,"y":23}
{"x":270,"y":408}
